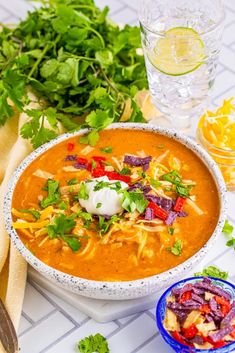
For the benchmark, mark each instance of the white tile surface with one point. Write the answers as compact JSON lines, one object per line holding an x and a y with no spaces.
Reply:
{"x":134,"y":334}
{"x":229,"y":34}
{"x":24,"y":325}
{"x":74,"y":313}
{"x":126,"y":15}
{"x":42,"y":335}
{"x":52,"y":326}
{"x":90,"y":328}
{"x":35,"y":305}
{"x":227,"y":58}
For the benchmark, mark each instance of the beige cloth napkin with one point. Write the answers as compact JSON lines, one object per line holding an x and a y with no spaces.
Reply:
{"x":13,"y":149}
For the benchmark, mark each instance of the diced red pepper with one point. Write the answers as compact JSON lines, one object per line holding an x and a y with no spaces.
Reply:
{"x":205,"y":308}
{"x":214,"y":344}
{"x":221,"y":300}
{"x":190,"y":332}
{"x":177,"y":336}
{"x":158,"y":211}
{"x":82,"y":160}
{"x":98,"y":158}
{"x":98,"y":172}
{"x":70,"y":146}
{"x":117,"y":176}
{"x":225,"y":304}
{"x":219,"y":344}
{"x":185,"y":296}
{"x":179,"y":204}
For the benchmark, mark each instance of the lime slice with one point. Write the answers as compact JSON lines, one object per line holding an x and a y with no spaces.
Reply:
{"x":179,"y":52}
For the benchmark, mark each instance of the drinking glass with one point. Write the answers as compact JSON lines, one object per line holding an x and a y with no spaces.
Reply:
{"x":181,"y":41}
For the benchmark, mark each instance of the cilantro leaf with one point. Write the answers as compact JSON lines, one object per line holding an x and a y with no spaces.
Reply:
{"x":134,"y":201}
{"x":83,"y":192}
{"x":61,"y":228}
{"x":73,"y":181}
{"x":227,"y":228}
{"x":176,"y":249}
{"x":212,"y":271}
{"x":91,"y":139}
{"x":53,"y":196}
{"x":33,"y":212}
{"x":93,"y":344}
{"x":108,"y":149}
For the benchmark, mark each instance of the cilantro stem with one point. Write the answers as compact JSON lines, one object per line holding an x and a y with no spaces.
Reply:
{"x":93,"y":10}
{"x":98,"y":35}
{"x":47,"y":47}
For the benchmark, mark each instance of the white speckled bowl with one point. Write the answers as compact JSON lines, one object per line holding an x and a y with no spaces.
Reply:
{"x":119,"y":290}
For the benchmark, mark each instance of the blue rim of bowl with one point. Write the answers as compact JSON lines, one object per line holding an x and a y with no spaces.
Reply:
{"x":166,"y":294}
{"x":139,"y":284}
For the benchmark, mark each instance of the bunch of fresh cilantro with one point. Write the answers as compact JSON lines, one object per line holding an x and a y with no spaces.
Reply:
{"x":82,"y":66}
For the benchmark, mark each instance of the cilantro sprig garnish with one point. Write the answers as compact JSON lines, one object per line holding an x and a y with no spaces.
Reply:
{"x":175,"y":178}
{"x":93,"y":344}
{"x":53,"y":197}
{"x":76,"y":61}
{"x":176,"y":249}
{"x":134,"y":201}
{"x":212,"y":271}
{"x":36,"y":214}
{"x":62,"y":227}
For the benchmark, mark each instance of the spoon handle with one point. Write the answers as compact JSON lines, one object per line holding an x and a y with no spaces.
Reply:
{"x":8,"y":335}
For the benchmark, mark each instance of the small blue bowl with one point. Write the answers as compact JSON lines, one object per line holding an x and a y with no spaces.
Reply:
{"x":160,"y":315}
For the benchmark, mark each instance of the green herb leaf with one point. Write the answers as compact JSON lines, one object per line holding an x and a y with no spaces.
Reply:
{"x":53,"y":197}
{"x":134,"y":201}
{"x":104,"y":225}
{"x":176,"y":249}
{"x":33,"y":212}
{"x":108,"y":149}
{"x":86,"y":217}
{"x":91,"y":139}
{"x":171,"y":230}
{"x":125,"y":171}
{"x":212,"y":271}
{"x":228,"y":228}
{"x":99,"y":204}
{"x":73,"y":181}
{"x":93,"y":344}
{"x":61,"y":228}
{"x":83,"y":192}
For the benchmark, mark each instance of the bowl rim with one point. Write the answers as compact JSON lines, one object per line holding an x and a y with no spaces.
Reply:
{"x":95,"y":285}
{"x":166,"y":294}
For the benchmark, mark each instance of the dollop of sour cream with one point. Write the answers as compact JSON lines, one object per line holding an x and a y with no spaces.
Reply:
{"x":104,"y":201}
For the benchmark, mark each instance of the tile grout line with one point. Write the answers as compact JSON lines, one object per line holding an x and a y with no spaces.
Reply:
{"x":58,"y":307}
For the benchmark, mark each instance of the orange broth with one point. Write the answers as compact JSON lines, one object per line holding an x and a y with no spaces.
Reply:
{"x":117,"y":261}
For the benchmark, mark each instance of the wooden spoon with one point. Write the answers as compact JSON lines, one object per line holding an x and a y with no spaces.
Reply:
{"x":8,"y":335}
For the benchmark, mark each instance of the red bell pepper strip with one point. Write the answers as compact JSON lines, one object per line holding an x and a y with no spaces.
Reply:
{"x":177,"y":336}
{"x":82,"y":160}
{"x":70,"y":146}
{"x":98,"y":172}
{"x":158,"y":211}
{"x":214,"y":344}
{"x":185,"y":296}
{"x":190,"y":332}
{"x":117,"y":176}
{"x":179,"y":204}
{"x":219,"y":344}
{"x":98,"y":158}
{"x":205,"y":308}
